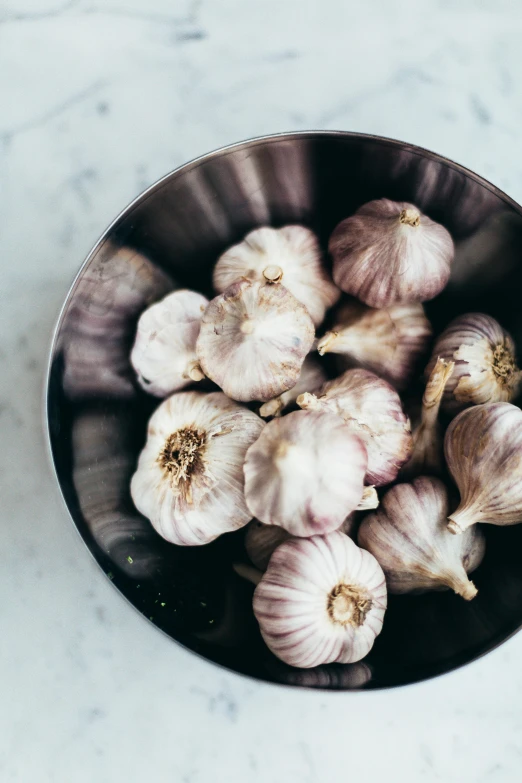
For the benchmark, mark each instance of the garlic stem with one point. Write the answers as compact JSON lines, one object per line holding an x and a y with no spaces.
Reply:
{"x":248,"y":572}
{"x":434,"y":391}
{"x":370,"y":499}
{"x":307,"y":401}
{"x":460,"y":520}
{"x":325,"y":342}
{"x":464,"y":587}
{"x":194,"y":372}
{"x":273,"y":274}
{"x":271,"y":408}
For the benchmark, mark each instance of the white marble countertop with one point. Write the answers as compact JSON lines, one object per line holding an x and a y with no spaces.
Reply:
{"x":98,"y":99}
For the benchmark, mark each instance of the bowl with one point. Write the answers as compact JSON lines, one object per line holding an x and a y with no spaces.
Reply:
{"x":171,"y":236}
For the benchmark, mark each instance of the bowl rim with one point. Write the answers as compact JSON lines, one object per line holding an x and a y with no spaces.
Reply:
{"x":190,"y":165}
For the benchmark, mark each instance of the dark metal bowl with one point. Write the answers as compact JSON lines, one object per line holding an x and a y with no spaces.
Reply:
{"x":97,"y":415}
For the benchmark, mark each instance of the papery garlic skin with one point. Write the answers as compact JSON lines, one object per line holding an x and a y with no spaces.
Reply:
{"x":408,"y":535}
{"x":253,"y":340}
{"x":388,"y":342}
{"x":305,"y":473}
{"x":389,"y":252}
{"x":372,"y":409}
{"x":295,"y":252}
{"x":485,"y":362}
{"x":311,"y":378}
{"x":483,"y":448}
{"x":189,"y":480}
{"x":164,"y":351}
{"x":321,"y":600}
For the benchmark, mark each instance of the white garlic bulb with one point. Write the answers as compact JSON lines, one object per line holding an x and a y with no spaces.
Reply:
{"x":483,"y":448}
{"x":321,"y":600}
{"x":164,"y":351}
{"x":290,"y":255}
{"x":189,"y":480}
{"x":311,"y":378}
{"x":409,"y":537}
{"x":372,"y":409}
{"x":389,"y":252}
{"x":305,"y":473}
{"x":388,"y":342}
{"x":485,"y":362}
{"x":253,"y":340}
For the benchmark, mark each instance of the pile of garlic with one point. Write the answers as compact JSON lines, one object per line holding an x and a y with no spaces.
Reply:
{"x":316,"y":477}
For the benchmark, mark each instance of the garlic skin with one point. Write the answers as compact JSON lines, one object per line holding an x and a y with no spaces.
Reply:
{"x":290,"y":255}
{"x":485,"y":362}
{"x":311,"y":378}
{"x":164,"y":351}
{"x":253,"y":340}
{"x":389,"y":252}
{"x":321,"y":600}
{"x":305,"y":473}
{"x":483,"y":448}
{"x":408,"y":535}
{"x":189,"y":479}
{"x":372,"y":409}
{"x":388,"y":342}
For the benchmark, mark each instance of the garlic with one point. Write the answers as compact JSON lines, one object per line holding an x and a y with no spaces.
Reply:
{"x":483,"y":448}
{"x":305,"y":473}
{"x":389,"y":252}
{"x":164,"y":352}
{"x":372,"y":409}
{"x":427,"y":455}
{"x":189,"y":480}
{"x":290,"y":254}
{"x":253,"y":340}
{"x":409,"y":537}
{"x":311,"y":378}
{"x":485,"y":362}
{"x":321,"y":600}
{"x":389,"y":342}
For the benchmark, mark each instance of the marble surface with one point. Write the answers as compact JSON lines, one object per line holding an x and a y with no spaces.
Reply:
{"x":100,"y":98}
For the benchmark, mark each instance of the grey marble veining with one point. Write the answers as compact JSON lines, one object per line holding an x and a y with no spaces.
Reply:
{"x":99,"y":99}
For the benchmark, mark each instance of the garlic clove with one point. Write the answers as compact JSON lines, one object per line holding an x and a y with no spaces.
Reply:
{"x":389,"y":252}
{"x":483,"y":448}
{"x":253,"y":340}
{"x":290,"y":254}
{"x":485,"y":362}
{"x":311,"y":378}
{"x":388,"y":342}
{"x":408,"y":536}
{"x":372,"y":409}
{"x":305,"y":473}
{"x":321,"y":600}
{"x":189,"y":480}
{"x":164,"y":351}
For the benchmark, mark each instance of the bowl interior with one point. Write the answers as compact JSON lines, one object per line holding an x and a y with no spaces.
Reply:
{"x":171,"y":237}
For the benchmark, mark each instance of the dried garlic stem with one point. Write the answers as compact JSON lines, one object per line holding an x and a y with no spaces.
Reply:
{"x":370,"y":499}
{"x":273,"y":274}
{"x":194,"y":372}
{"x":325,"y":342}
{"x":459,"y":521}
{"x":464,"y":587}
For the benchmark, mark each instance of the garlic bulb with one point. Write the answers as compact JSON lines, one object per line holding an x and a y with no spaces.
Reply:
{"x":372,"y":409}
{"x":164,"y":352}
{"x":485,"y":362}
{"x":290,"y":254}
{"x":389,"y":252}
{"x":321,"y":600}
{"x":483,"y":448}
{"x":253,"y":340}
{"x":311,"y":378}
{"x":427,"y":455}
{"x":409,"y":537}
{"x":189,"y":480}
{"x":389,"y":342}
{"x":305,"y":473}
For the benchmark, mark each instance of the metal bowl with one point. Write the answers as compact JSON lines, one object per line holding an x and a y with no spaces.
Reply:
{"x":172,"y":235}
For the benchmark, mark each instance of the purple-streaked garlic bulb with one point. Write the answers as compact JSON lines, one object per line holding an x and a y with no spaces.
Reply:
{"x":409,"y":536}
{"x":372,"y":409}
{"x":253,"y":340}
{"x":483,"y":448}
{"x":164,"y":351}
{"x":485,"y":362}
{"x":389,"y":252}
{"x":321,"y":600}
{"x":311,"y":378}
{"x":290,"y":255}
{"x":189,"y":480}
{"x":305,"y":473}
{"x":388,"y":342}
